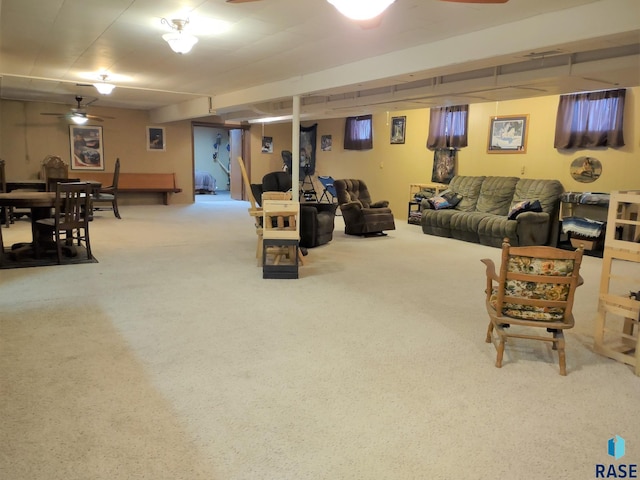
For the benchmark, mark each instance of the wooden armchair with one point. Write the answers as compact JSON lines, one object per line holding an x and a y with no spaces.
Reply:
{"x":534,"y":288}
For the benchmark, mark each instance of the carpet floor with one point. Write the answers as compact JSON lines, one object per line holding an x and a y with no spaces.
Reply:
{"x":173,"y":359}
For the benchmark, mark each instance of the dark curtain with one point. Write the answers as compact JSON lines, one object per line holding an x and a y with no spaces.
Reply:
{"x":448,"y":127}
{"x":308,"y":150}
{"x":592,"y":119}
{"x":358,"y":133}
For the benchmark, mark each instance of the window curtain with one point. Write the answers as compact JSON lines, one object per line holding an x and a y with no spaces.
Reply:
{"x":358,"y":133}
{"x":448,"y":127}
{"x":592,"y":119}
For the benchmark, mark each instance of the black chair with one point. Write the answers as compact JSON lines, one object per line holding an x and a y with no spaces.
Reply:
{"x":70,"y":221}
{"x":316,"y":219}
{"x":361,"y":215}
{"x":110,"y":194}
{"x":5,"y":212}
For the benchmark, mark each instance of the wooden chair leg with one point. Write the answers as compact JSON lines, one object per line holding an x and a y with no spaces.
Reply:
{"x":489,"y":332}
{"x":500,"y":347}
{"x":115,"y":209}
{"x":559,"y":344}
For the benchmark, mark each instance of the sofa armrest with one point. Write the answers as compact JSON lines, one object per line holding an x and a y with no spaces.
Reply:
{"x":380,"y":204}
{"x":533,"y":228}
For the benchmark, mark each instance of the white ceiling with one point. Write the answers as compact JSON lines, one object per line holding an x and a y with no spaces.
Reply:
{"x":423,"y":53}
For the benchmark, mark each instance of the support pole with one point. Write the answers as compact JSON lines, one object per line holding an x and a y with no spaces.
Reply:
{"x":295,"y":149}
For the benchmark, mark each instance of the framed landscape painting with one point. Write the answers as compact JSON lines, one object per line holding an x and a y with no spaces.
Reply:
{"x":508,"y":134}
{"x":86,"y":148}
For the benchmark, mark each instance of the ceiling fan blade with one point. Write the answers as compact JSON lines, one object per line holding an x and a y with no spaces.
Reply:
{"x":51,"y":113}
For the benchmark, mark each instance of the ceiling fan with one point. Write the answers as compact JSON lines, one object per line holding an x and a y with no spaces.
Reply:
{"x":78,"y":114}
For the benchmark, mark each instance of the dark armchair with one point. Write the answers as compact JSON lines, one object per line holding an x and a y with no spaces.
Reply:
{"x":316,"y":220}
{"x":361,"y":215}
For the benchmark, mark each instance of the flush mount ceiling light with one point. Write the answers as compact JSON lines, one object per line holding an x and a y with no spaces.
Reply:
{"x":361,"y":9}
{"x":179,"y":41}
{"x":103,"y":87}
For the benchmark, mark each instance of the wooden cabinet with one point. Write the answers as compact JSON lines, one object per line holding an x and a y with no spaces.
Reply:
{"x":618,"y":319}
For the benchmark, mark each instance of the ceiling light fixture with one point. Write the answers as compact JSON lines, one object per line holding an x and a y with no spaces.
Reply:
{"x":361,"y":9}
{"x":179,"y":41}
{"x":103,"y":87}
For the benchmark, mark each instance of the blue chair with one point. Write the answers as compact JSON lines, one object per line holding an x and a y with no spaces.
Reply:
{"x":329,"y":191}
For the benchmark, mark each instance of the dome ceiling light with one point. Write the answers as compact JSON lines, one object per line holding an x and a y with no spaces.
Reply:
{"x":179,"y":41}
{"x":103,"y":87}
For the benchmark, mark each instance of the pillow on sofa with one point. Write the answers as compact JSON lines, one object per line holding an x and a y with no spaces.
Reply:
{"x":524,"y":206}
{"x":446,"y":199}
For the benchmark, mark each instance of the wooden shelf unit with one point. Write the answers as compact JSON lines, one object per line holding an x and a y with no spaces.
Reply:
{"x":414,"y":205}
{"x":618,"y":320}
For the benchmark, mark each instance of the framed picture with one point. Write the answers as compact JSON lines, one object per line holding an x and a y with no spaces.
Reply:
{"x":156,"y":139}
{"x":86,"y":148}
{"x":508,"y":134}
{"x":398,"y":125}
{"x":325,"y":143}
{"x":267,"y":144}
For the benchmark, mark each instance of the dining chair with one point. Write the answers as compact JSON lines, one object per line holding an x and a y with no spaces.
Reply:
{"x":534,"y":288}
{"x":109,"y":194}
{"x":70,"y":221}
{"x":54,"y":166}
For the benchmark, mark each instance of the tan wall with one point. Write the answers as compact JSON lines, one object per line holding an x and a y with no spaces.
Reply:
{"x":26,"y":137}
{"x":389,"y":169}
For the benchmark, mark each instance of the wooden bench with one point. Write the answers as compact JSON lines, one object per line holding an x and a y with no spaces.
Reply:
{"x":164,"y":183}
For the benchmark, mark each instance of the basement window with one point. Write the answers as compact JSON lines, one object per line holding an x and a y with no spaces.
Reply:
{"x":448,"y":127}
{"x":592,"y":119}
{"x":358,"y":133}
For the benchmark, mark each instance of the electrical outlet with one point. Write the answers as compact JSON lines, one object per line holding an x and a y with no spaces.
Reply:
{"x":522,"y":170}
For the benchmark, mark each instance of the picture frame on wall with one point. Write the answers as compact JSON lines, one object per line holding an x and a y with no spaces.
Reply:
{"x":156,"y":141}
{"x":86,"y":146}
{"x":398,"y":127}
{"x":267,"y":144}
{"x":325,"y":143}
{"x":508,"y":134}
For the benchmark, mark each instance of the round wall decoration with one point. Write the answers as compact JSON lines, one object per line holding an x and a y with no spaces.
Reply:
{"x":586,"y":169}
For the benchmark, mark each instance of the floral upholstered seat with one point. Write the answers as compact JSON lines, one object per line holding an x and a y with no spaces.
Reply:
{"x":535,"y":287}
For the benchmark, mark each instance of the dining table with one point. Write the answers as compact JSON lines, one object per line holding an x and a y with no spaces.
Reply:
{"x":40,"y":205}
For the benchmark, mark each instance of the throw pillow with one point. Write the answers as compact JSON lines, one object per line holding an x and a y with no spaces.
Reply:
{"x":524,"y":206}
{"x":439,"y":203}
{"x":452,"y":197}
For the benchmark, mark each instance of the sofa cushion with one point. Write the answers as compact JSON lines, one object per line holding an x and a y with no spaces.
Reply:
{"x":492,"y":229}
{"x":464,"y":225}
{"x":469,"y":189}
{"x":524,"y":206}
{"x":547,"y":192}
{"x":496,"y":195}
{"x":436,"y":222}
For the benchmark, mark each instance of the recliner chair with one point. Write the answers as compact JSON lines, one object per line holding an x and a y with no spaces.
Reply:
{"x":316,"y":220}
{"x":361,"y":215}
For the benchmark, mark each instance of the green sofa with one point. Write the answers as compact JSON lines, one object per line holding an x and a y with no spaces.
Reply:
{"x":481,"y":216}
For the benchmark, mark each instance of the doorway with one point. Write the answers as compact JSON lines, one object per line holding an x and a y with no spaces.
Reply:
{"x":215,"y":149}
